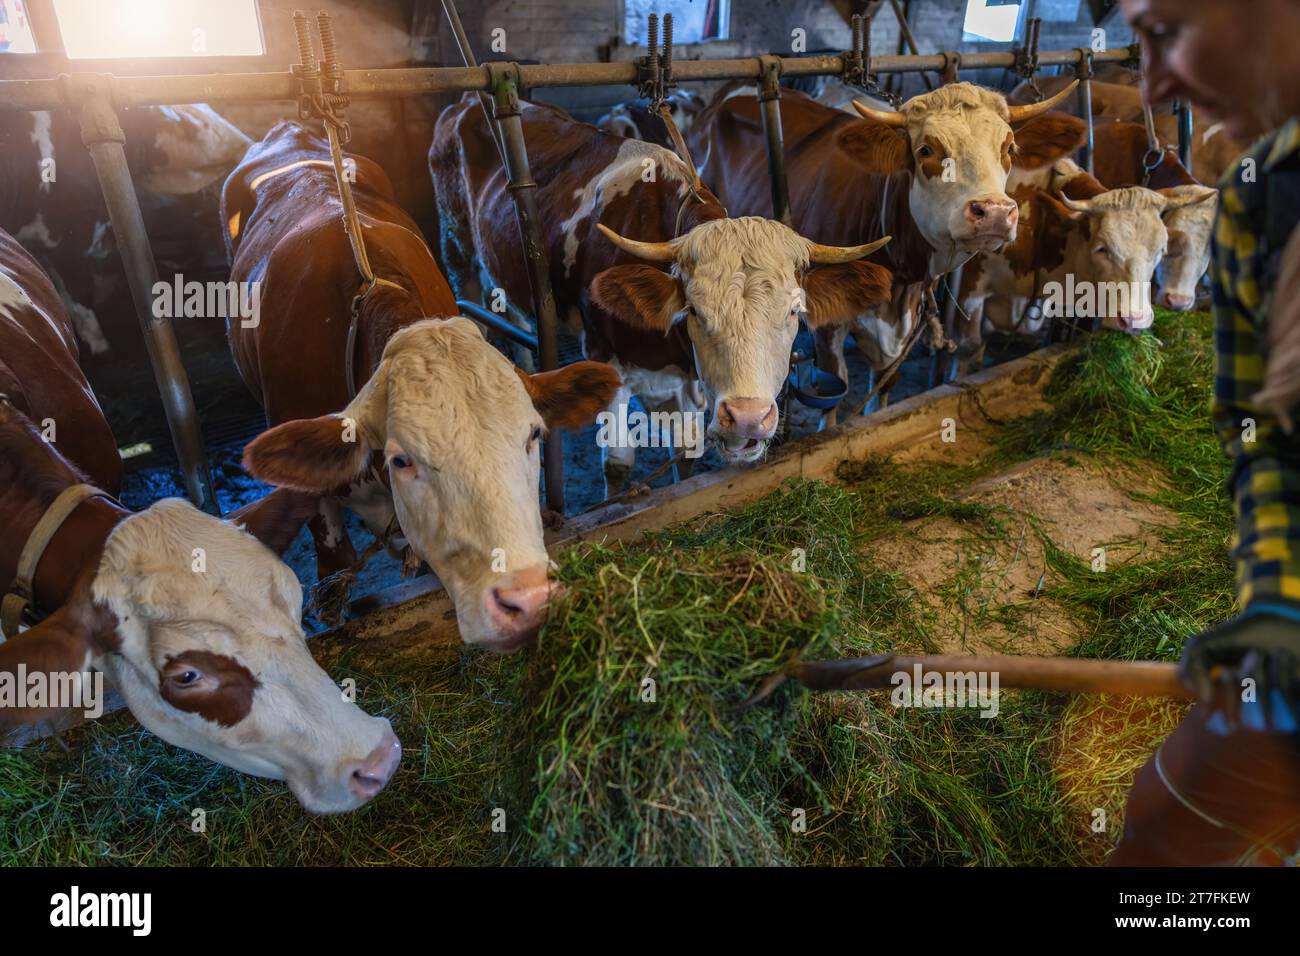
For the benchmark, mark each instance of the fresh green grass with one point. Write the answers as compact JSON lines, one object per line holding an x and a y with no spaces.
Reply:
{"x":617,"y":740}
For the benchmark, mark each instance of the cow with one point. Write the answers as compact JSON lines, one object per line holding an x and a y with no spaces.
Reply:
{"x":51,"y":200}
{"x":194,"y":620}
{"x":1103,"y":244}
{"x":1213,"y":150}
{"x":634,"y":120}
{"x":697,"y":310}
{"x":932,"y":174}
{"x":1120,"y":158}
{"x":440,"y":446}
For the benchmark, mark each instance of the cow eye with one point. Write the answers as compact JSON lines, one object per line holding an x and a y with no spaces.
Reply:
{"x":1102,"y":250}
{"x":187,"y":679}
{"x":399,"y":462}
{"x":535,"y":435}
{"x":925,"y":152}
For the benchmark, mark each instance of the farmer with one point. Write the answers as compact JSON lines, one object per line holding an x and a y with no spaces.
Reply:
{"x":1224,"y":788}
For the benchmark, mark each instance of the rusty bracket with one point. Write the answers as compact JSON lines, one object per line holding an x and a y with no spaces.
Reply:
{"x":951,"y":66}
{"x":770,"y":83}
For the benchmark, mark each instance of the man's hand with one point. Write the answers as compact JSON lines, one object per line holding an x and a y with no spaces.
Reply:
{"x":1261,"y":646}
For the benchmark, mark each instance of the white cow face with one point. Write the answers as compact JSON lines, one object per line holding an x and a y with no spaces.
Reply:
{"x":1121,"y":241}
{"x":1190,"y":228}
{"x":961,"y":143}
{"x":460,"y":431}
{"x":740,"y":285}
{"x":197,"y":624}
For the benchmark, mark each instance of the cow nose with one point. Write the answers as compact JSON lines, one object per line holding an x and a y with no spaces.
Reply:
{"x":748,"y":417}
{"x":1136,"y":322}
{"x":372,"y":774}
{"x":1179,"y":303}
{"x":992,"y":215}
{"x":517,"y":606}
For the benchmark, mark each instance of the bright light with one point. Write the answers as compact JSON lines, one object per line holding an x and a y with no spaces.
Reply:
{"x":15,"y":29}
{"x":116,"y":29}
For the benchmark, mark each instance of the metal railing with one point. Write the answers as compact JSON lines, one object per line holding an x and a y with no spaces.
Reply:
{"x":95,"y":99}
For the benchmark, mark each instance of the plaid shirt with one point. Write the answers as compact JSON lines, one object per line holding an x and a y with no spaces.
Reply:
{"x":1259,"y":207}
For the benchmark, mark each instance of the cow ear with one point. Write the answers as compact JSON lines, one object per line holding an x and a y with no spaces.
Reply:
{"x":639,"y":295}
{"x":62,"y":643}
{"x":1044,"y":139}
{"x":835,"y":295}
{"x":1053,"y":209}
{"x":1191,"y":194}
{"x":275,"y":519}
{"x":879,"y":148}
{"x":571,"y":397}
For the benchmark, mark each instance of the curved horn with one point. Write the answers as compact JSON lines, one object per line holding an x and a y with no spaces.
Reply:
{"x":829,"y":255}
{"x":1021,"y":114}
{"x":1077,"y":205}
{"x":888,"y":117}
{"x":649,"y":251}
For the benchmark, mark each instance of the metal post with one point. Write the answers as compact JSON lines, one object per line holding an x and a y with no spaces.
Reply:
{"x":905,"y":36}
{"x":524,"y":191}
{"x":1084,"y":74}
{"x":1183,"y":110}
{"x":467,"y":56}
{"x":103,"y":136}
{"x":770,"y":96}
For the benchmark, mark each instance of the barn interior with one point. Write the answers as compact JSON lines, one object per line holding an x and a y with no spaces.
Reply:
{"x":1073,"y":438}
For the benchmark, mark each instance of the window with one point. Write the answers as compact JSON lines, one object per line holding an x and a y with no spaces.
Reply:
{"x":693,"y":20}
{"x":991,"y":21}
{"x":113,"y":29}
{"x":16,"y":34}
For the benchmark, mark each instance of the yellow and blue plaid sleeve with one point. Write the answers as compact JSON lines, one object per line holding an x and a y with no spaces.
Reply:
{"x":1265,"y":482}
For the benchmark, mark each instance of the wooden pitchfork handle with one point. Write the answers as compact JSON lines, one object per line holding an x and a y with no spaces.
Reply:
{"x":1068,"y":674}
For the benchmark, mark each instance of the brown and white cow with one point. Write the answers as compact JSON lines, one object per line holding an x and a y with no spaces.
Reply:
{"x":1096,"y":248}
{"x":633,"y":120}
{"x":932,"y":174}
{"x":443,"y":436}
{"x":52,"y":203}
{"x":661,"y":282}
{"x":194,"y":620}
{"x":1119,"y":158}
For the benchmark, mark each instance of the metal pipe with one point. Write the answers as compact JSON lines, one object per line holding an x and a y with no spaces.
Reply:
{"x":770,"y":97}
{"x":1085,"y":110}
{"x":133,"y":91}
{"x":910,"y":40}
{"x":524,"y":192}
{"x":498,"y":323}
{"x":103,"y":136}
{"x":1184,"y":112}
{"x":467,"y":57}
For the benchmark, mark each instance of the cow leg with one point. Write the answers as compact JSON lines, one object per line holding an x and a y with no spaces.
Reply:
{"x":335,"y":560}
{"x":690,"y":403}
{"x":618,"y":460}
{"x":829,"y":351}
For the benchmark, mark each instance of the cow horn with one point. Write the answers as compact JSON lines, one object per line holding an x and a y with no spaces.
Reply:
{"x":829,"y":255}
{"x":1077,"y":205}
{"x":1022,"y":114}
{"x":888,"y":117}
{"x":649,"y":251}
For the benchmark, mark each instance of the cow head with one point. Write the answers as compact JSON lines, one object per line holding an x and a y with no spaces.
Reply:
{"x":1189,"y":217}
{"x":1121,"y":239}
{"x":197,"y":623}
{"x":959,"y":141}
{"x":461,"y":434}
{"x":740,"y":285}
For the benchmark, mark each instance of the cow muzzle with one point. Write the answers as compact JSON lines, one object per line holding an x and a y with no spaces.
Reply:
{"x":742,"y":428}
{"x":516,"y":608}
{"x":369,"y":776}
{"x":987,"y":221}
{"x":1175,"y":301}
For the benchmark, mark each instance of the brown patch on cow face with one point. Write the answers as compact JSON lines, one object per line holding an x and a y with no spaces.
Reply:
{"x":640,"y":296}
{"x":1180,"y":243}
{"x":216,"y":687}
{"x":875,"y":147}
{"x":930,"y":155}
{"x":309,"y":455}
{"x":1008,"y":151}
{"x":1045,"y":139}
{"x":571,"y":397}
{"x":838,"y":294}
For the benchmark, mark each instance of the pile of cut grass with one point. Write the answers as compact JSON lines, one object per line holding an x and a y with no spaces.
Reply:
{"x":576,"y":759}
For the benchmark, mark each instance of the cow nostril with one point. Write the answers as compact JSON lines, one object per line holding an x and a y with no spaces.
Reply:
{"x":509,"y":607}
{"x":978,"y":210}
{"x":367,"y":783}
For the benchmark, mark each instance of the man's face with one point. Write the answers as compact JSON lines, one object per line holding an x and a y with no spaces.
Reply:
{"x":1235,"y":60}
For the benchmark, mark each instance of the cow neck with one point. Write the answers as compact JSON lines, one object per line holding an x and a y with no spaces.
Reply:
{"x":385,"y":312}
{"x":889,"y":213}
{"x":32,"y":476}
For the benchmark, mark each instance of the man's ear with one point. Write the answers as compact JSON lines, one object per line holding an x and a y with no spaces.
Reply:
{"x":571,"y":397}
{"x":62,"y":643}
{"x":839,"y":293}
{"x":275,"y":519}
{"x":1044,"y":139}
{"x":320,"y":455}
{"x":640,"y":296}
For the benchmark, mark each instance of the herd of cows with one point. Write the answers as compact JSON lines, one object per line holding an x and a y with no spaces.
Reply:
{"x":684,"y":291}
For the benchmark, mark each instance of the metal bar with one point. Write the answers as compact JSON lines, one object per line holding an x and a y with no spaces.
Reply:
{"x":910,"y":40}
{"x":524,"y":191}
{"x":1184,"y":113}
{"x":1085,"y":110}
{"x":498,"y":324}
{"x":103,"y":136}
{"x":770,"y":97}
{"x":131,"y":91}
{"x":467,"y":57}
